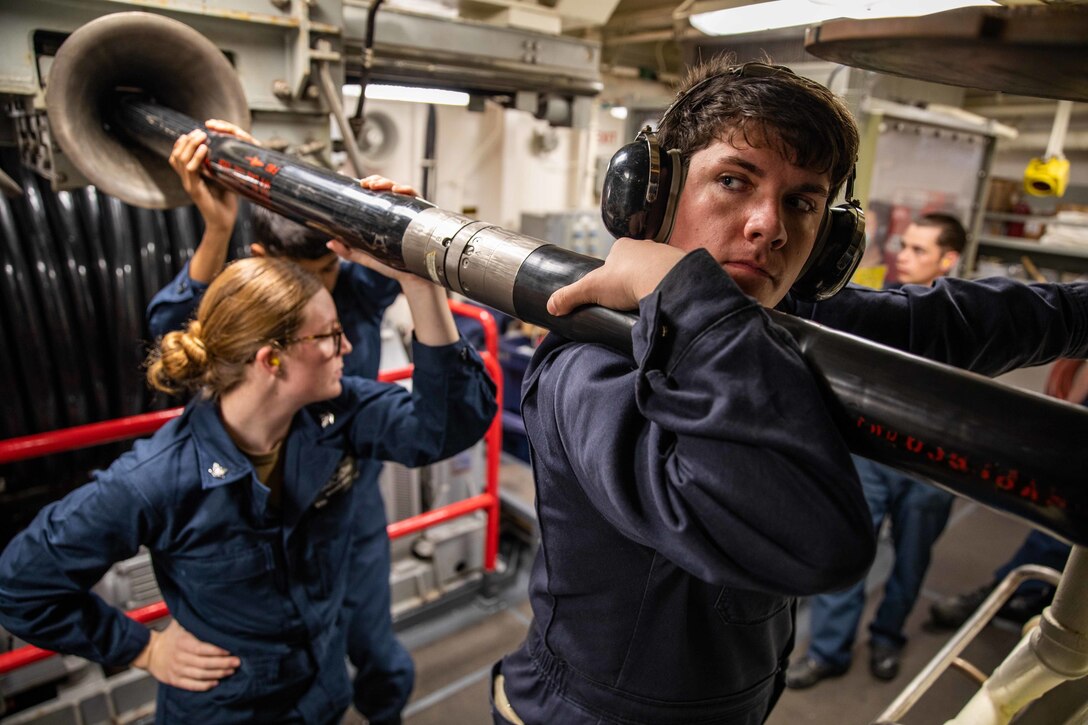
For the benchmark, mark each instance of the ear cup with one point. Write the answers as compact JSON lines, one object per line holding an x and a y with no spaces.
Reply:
{"x":641,"y":189}
{"x":835,"y":256}
{"x":627,"y":196}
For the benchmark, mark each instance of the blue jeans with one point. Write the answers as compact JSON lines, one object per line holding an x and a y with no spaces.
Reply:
{"x":918,"y":513}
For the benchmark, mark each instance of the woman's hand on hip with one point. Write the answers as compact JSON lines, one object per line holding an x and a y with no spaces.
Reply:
{"x":175,"y":657}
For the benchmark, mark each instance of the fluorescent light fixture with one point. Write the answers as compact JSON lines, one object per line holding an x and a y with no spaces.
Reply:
{"x":792,"y":13}
{"x":410,"y":94}
{"x":619,"y":112}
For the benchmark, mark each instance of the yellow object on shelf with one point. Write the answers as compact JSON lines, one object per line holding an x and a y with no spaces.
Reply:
{"x":1046,"y":177}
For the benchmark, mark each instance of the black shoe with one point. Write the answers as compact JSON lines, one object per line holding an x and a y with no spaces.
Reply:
{"x":807,"y":671}
{"x":1022,"y":607}
{"x":952,"y":612}
{"x":883,"y":662}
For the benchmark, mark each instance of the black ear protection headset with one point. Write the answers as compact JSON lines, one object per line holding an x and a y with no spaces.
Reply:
{"x":642,"y":192}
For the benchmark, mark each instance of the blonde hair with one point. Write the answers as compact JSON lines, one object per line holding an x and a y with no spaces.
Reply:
{"x":251,"y":303}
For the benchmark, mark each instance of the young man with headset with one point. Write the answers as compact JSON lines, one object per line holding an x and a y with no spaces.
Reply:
{"x":687,"y":496}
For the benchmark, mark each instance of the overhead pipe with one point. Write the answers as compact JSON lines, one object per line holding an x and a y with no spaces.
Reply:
{"x":358,"y":121}
{"x":331,"y":95}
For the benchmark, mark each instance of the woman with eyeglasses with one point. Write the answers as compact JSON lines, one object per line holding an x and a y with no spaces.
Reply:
{"x":246,"y":501}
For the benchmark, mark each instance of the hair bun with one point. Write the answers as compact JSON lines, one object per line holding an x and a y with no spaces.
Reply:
{"x":193,"y":345}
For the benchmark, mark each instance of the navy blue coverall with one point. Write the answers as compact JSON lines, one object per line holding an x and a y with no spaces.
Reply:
{"x":268,"y":587}
{"x":687,"y":497}
{"x":385,"y":673}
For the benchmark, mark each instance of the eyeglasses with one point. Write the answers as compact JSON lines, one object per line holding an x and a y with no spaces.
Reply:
{"x":337,"y":336}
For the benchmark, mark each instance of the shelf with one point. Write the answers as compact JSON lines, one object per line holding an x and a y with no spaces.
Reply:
{"x":1066,"y":258}
{"x":1000,"y":216}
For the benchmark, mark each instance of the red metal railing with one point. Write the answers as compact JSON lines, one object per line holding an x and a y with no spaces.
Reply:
{"x":110,"y":431}
{"x":84,"y":436}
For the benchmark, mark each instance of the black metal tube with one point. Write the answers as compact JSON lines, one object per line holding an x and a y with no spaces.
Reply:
{"x":1016,"y":452}
{"x":402,"y":231}
{"x":305,"y":193}
{"x":550,"y":268}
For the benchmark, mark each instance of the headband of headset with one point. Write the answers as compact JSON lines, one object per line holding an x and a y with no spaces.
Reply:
{"x":642,"y":189}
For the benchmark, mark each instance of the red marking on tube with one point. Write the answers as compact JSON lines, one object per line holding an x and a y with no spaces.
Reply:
{"x":1004,"y":479}
{"x":272,"y":169}
{"x":255,"y":161}
{"x":1007,"y":482}
{"x":1055,"y":500}
{"x":1030,"y":491}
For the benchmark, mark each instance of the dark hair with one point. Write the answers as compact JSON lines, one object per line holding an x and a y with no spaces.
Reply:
{"x":252,"y":302}
{"x":282,"y":237}
{"x":953,"y":237}
{"x":798,"y":117}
